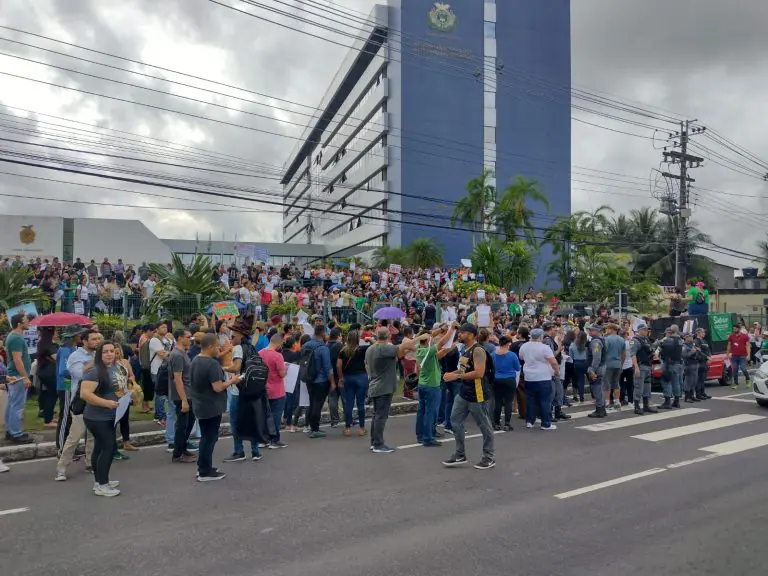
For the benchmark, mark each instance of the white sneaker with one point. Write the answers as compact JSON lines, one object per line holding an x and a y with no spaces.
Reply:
{"x":4,"y":467}
{"x":528,"y":425}
{"x":111,"y":484}
{"x":550,"y":427}
{"x":106,"y":490}
{"x":60,"y":476}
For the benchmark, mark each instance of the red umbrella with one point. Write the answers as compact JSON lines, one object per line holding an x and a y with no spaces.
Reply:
{"x":60,"y":319}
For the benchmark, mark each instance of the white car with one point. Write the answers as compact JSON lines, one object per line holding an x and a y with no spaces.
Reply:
{"x":760,"y":385}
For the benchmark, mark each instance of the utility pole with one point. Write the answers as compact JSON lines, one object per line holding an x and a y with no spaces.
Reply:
{"x":680,"y":208}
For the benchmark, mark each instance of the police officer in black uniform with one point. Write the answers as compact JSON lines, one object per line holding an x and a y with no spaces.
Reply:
{"x":642,"y":359}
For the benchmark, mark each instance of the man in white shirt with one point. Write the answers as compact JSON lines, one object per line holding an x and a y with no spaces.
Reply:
{"x":159,"y":348}
{"x":149,"y":286}
{"x":539,"y":367}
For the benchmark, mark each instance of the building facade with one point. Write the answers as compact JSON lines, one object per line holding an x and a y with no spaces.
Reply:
{"x":430,"y":94}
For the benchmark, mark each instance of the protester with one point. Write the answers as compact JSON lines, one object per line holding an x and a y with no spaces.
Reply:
{"x":738,"y":350}
{"x":353,"y":380}
{"x":179,"y":369}
{"x":577,"y":350}
{"x":321,"y":376}
{"x":19,"y":370}
{"x":507,"y":366}
{"x":428,"y":354}
{"x":273,"y":359}
{"x":381,"y":361}
{"x":540,"y":366}
{"x":98,"y":390}
{"x":208,"y":391}
{"x":472,"y":399}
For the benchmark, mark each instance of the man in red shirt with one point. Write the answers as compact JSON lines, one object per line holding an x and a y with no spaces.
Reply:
{"x":738,"y":352}
{"x":273,"y":358}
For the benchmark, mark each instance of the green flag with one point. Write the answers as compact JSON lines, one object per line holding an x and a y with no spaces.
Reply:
{"x":720,"y":325}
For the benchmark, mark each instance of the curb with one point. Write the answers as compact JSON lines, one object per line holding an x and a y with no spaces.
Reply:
{"x":48,"y":449}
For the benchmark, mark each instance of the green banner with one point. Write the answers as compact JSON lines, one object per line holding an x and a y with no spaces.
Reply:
{"x":720,"y":325}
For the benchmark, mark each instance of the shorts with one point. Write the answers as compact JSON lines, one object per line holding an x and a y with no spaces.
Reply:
{"x":612,"y":378}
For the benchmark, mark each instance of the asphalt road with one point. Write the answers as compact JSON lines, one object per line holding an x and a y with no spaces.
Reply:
{"x":572,"y":502}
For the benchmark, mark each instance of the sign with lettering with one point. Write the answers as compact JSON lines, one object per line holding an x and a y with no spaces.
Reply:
{"x":224,"y":310}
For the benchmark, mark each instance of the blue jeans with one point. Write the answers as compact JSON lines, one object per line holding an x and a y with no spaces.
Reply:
{"x":579,"y":377}
{"x":238,"y":442}
{"x":290,"y":405}
{"x":277,"y":406}
{"x":426,"y":414}
{"x":539,"y":395}
{"x":159,"y":402}
{"x":170,"y":420}
{"x":451,"y":391}
{"x":209,"y":435}
{"x":355,"y":389}
{"x":739,"y":363}
{"x":14,"y":411}
{"x":671,"y":380}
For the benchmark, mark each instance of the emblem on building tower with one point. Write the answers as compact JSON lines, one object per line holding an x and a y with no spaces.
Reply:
{"x":442,"y":18}
{"x":27,"y":234}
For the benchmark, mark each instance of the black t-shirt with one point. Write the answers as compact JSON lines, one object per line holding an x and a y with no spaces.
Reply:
{"x":206,"y":402}
{"x":356,"y":364}
{"x":334,"y":348}
{"x":46,"y":367}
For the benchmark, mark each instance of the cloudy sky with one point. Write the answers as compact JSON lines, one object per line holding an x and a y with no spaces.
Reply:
{"x":690,"y":58}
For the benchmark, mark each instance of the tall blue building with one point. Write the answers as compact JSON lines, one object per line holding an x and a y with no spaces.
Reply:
{"x":429,"y":94}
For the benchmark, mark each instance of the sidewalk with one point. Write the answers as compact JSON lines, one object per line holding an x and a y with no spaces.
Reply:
{"x":145,"y":433}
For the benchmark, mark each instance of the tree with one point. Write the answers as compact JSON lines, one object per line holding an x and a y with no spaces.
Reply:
{"x":560,"y":237}
{"x":762,"y":248}
{"x":385,"y":255}
{"x":14,"y":290}
{"x":475,"y":208}
{"x":507,"y":264}
{"x":424,"y":253}
{"x":184,"y":289}
{"x":595,"y":221}
{"x":513,"y":213}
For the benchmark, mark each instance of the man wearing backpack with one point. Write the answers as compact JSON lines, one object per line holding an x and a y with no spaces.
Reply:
{"x":316,"y":371}
{"x":698,"y":299}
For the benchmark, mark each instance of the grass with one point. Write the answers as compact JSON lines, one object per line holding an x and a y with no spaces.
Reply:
{"x":33,"y":423}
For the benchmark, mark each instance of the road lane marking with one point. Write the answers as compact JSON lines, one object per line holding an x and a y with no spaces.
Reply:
{"x":13,"y":511}
{"x":609,"y":483}
{"x":736,"y":395}
{"x":729,"y":399}
{"x":670,"y":433}
{"x":736,"y":446}
{"x":444,"y":440}
{"x":634,"y":421}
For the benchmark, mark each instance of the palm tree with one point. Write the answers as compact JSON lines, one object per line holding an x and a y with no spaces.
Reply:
{"x":424,"y":252}
{"x":385,"y":255}
{"x":560,"y":237}
{"x":512,"y":213}
{"x":183,"y":289}
{"x":488,"y":258}
{"x":14,"y":290}
{"x":520,"y":266}
{"x":473,"y":210}
{"x":596,"y":221}
{"x":621,"y":232}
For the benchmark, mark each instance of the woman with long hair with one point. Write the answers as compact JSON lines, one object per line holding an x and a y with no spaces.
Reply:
{"x":577,"y":350}
{"x":46,"y":374}
{"x":354,"y":380}
{"x":507,"y":366}
{"x":99,"y":391}
{"x":127,"y":384}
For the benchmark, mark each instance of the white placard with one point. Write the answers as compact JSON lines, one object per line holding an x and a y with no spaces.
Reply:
{"x":395,"y":268}
{"x":122,"y":406}
{"x":562,"y":367}
{"x":302,"y":317}
{"x":291,"y":377}
{"x":303,"y":395}
{"x":480,"y":294}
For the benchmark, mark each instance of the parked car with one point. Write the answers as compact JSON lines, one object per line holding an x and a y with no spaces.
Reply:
{"x":717,"y":369}
{"x":760,"y":385}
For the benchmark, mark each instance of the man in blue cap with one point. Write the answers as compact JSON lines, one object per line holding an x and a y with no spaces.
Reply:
{"x":596,"y":360}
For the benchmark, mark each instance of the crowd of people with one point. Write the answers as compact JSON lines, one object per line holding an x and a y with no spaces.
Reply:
{"x":189,"y":376}
{"x":484,"y":353}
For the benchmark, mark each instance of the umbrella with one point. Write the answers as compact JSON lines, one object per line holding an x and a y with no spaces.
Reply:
{"x":60,"y":319}
{"x":388,"y":313}
{"x":240,"y":305}
{"x":568,"y":312}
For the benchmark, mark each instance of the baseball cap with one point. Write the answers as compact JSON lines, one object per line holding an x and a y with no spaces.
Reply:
{"x":595,"y":328}
{"x":467,"y":327}
{"x":537,"y":333}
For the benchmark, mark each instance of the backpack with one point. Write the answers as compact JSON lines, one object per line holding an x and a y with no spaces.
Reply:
{"x":490,"y":368}
{"x":144,"y":358}
{"x":700,"y":297}
{"x":163,"y":377}
{"x":307,"y":364}
{"x":255,"y":373}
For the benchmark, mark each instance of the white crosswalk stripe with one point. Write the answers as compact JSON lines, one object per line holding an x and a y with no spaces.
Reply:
{"x":706,"y":426}
{"x":736,"y":446}
{"x":638,"y":420}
